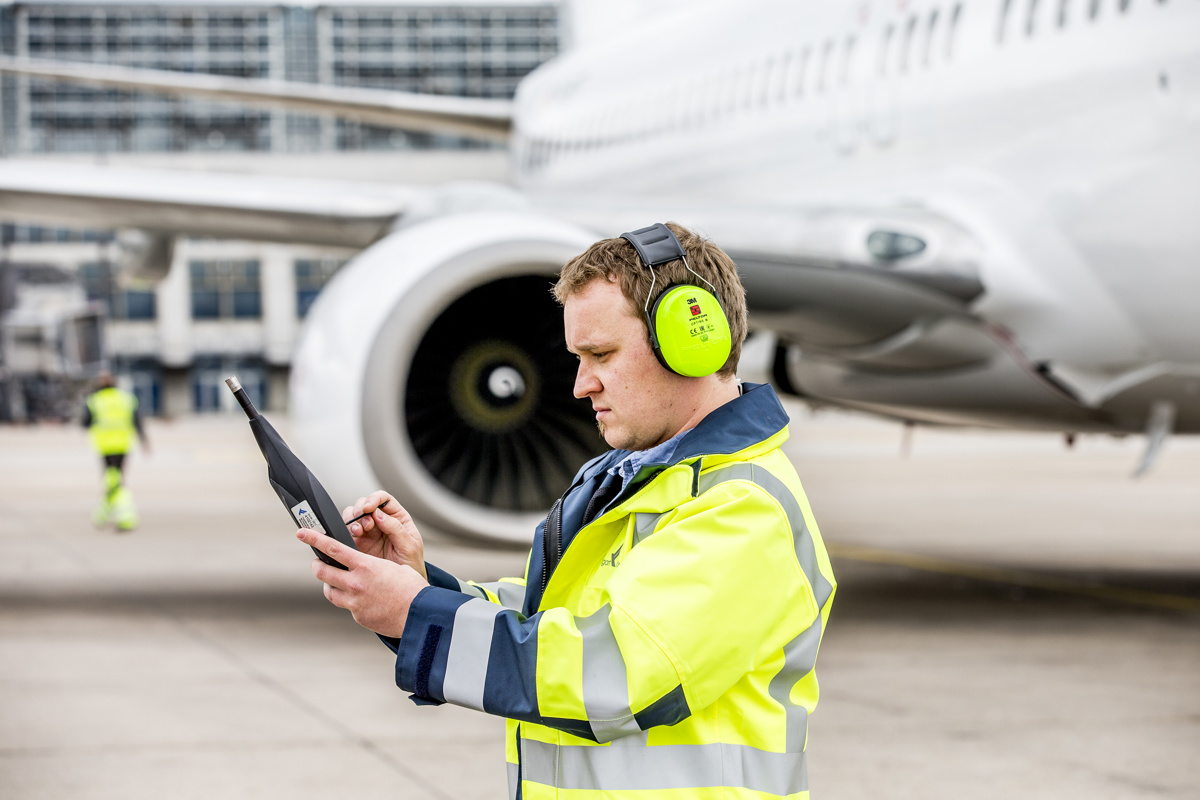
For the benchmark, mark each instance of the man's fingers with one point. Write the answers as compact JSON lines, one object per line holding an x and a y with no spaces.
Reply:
{"x":366,"y":505}
{"x":332,"y":548}
{"x":331,"y":577}
{"x":387,"y":523}
{"x":380,"y":498}
{"x":336,"y":596}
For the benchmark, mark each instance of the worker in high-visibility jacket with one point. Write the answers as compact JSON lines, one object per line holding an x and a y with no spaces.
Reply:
{"x":112,"y":418}
{"x":663,"y":639}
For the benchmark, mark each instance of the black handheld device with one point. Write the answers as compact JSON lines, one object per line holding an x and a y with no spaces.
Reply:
{"x":302,"y":494}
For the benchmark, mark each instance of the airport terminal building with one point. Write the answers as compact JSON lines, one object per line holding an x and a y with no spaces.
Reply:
{"x":239,"y":305}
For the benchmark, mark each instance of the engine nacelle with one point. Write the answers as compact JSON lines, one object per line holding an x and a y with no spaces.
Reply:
{"x":434,"y":366}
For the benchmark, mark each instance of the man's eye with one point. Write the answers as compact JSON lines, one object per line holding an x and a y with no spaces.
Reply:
{"x":601,"y":355}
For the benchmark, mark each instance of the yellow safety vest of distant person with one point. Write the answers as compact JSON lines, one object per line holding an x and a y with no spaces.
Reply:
{"x":671,"y":653}
{"x":112,"y":430}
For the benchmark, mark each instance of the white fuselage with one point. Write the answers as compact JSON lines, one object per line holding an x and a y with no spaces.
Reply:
{"x":1067,"y":143}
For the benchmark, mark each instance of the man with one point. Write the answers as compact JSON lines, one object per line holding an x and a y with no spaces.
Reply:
{"x":663,"y":639}
{"x":112,"y":418}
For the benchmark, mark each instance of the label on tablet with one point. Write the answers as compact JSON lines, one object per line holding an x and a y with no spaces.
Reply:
{"x":305,"y":518}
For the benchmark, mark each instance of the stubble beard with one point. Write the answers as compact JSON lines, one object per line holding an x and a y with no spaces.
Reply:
{"x":633,"y":444}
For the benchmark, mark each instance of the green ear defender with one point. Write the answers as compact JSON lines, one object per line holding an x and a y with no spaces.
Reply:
{"x":688,"y":327}
{"x":689,"y":331}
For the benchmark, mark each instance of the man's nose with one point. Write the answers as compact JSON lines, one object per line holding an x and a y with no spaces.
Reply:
{"x":585,"y":381}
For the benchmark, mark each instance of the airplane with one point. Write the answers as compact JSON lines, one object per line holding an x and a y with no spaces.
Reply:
{"x":967,"y":212}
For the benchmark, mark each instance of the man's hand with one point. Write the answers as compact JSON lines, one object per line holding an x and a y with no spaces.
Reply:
{"x":377,"y":592}
{"x":388,"y":533}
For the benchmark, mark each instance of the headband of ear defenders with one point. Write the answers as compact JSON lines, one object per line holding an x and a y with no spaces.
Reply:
{"x":655,"y":245}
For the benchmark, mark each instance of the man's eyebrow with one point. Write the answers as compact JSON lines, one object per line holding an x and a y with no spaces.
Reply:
{"x":590,"y":347}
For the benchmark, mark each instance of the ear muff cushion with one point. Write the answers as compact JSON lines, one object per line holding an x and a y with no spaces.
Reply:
{"x":691,"y":331}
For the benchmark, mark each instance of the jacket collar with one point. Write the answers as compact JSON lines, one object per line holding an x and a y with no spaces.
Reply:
{"x":743,"y":422}
{"x":748,"y":420}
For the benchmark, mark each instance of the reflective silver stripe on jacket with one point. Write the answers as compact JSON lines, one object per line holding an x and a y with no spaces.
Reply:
{"x":616,"y":769}
{"x":471,"y":589}
{"x":605,"y":686}
{"x":644,"y":523}
{"x":470,"y":649}
{"x":514,"y":776}
{"x":511,"y":595}
{"x":799,"y":659}
{"x":806,"y":550}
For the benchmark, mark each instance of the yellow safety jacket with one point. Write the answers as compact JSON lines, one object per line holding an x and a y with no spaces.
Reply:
{"x":112,"y":427}
{"x":670,"y":652}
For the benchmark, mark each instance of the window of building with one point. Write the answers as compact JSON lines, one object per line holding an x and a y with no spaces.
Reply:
{"x":311,"y":276}
{"x":226,"y":289}
{"x":100,"y":284}
{"x":144,"y":378}
{"x":18,"y":233}
{"x":209,"y":392}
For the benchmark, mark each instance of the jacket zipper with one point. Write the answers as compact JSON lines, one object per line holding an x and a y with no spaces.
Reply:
{"x":551,"y":544}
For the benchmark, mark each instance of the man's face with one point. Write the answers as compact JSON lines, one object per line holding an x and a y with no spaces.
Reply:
{"x":638,"y":403}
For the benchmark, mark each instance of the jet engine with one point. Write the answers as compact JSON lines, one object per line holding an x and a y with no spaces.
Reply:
{"x":434,"y":366}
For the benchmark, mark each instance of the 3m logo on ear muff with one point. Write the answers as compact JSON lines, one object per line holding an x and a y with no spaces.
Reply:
{"x":687,"y":339}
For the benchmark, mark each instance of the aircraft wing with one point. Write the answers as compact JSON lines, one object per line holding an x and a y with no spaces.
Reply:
{"x":310,"y":211}
{"x":466,"y":116}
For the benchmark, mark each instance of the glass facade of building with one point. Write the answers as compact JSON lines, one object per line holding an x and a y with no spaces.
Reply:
{"x":480,"y":51}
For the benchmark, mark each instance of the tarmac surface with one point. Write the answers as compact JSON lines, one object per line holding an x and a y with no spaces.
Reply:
{"x":1013,"y":618}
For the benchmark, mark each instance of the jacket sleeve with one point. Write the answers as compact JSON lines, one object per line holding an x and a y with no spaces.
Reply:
{"x":508,"y":592}
{"x":715,"y":589}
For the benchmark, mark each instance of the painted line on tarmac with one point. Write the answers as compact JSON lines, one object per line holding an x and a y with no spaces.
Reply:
{"x":1016,"y":577}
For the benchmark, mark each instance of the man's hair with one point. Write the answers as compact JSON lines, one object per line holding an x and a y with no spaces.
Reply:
{"x":617,"y":260}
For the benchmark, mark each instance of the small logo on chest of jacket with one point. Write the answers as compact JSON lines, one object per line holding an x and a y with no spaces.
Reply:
{"x":614,"y":558}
